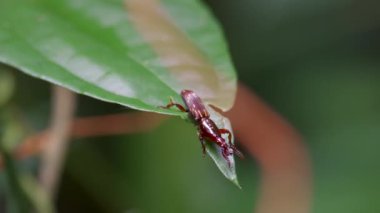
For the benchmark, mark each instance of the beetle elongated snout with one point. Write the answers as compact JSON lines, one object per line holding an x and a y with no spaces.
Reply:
{"x":221,"y":142}
{"x":227,"y":150}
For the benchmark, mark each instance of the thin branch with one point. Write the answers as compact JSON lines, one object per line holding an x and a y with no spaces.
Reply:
{"x":116,"y":124}
{"x":125,"y":123}
{"x":284,"y":161}
{"x":57,"y":141}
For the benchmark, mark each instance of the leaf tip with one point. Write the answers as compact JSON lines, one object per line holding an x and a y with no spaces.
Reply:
{"x":236,"y":182}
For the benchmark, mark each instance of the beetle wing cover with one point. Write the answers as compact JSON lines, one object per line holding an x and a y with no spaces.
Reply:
{"x":194,"y":104}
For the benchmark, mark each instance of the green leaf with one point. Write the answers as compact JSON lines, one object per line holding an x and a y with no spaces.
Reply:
{"x":214,"y":151}
{"x":136,"y":53}
{"x":97,"y":48}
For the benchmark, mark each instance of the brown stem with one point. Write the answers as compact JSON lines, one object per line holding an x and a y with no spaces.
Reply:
{"x":278,"y":148}
{"x":115,"y":124}
{"x":94,"y":126}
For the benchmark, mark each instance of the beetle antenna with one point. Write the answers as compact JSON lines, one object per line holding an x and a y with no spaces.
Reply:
{"x":237,"y":152}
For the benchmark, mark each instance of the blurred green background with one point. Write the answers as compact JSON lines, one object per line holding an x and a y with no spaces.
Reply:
{"x":315,"y":62}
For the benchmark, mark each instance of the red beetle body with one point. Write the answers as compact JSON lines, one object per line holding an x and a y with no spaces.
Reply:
{"x":207,"y":129}
{"x":194,"y":105}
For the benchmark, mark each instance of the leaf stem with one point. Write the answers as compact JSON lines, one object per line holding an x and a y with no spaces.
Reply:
{"x":55,"y":149}
{"x":123,"y":123}
{"x":286,"y":184}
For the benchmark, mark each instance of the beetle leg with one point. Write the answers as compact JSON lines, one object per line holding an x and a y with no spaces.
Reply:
{"x":203,"y":143}
{"x":172,"y":103}
{"x":233,"y":147}
{"x":226,"y":153}
{"x":225,"y":148}
{"x":237,"y":152}
{"x":226,"y":131}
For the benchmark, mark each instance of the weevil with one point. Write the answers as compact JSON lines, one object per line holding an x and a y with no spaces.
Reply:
{"x":207,"y":129}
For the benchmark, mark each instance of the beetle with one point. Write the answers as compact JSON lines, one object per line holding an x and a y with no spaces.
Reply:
{"x":207,"y":129}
